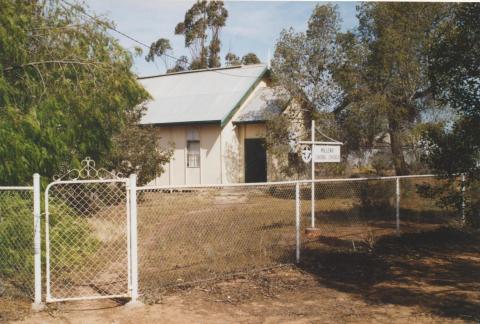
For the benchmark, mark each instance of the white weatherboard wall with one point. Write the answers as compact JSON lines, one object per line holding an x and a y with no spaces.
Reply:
{"x":221,"y":151}
{"x":233,"y":139}
{"x":176,"y":171}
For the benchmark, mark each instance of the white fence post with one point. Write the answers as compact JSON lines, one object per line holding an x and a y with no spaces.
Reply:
{"x":133,"y":240}
{"x":37,"y":244}
{"x":297,"y":221}
{"x":313,"y":178}
{"x":397,"y":207}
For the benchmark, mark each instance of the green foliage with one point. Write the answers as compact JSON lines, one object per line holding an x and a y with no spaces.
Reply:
{"x":202,"y":23}
{"x":278,"y":139}
{"x":385,"y":72}
{"x":201,"y":28}
{"x":231,"y":59}
{"x":250,"y":58}
{"x":454,"y":73}
{"x":302,"y":63}
{"x":382,"y":163}
{"x":132,"y":153}
{"x":66,"y":226}
{"x":158,"y":48}
{"x":302,"y":73}
{"x":16,"y":242}
{"x":16,"y":239}
{"x":454,"y":59}
{"x":180,"y":65}
{"x":66,"y":89}
{"x":375,"y":196}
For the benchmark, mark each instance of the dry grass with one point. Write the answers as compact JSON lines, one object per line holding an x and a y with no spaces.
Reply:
{"x":195,"y":235}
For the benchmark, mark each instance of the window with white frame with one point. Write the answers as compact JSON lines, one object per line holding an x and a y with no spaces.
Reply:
{"x":193,"y":148}
{"x":193,"y":154}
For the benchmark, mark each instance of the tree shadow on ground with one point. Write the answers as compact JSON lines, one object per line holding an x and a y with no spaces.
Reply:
{"x":438,"y":271}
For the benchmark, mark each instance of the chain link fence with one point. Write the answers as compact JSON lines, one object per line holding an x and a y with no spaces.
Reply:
{"x":192,"y":234}
{"x":349,"y":214}
{"x":422,"y":207}
{"x":353,"y":214}
{"x":16,"y":242}
{"x":87,"y":249}
{"x":189,"y":234}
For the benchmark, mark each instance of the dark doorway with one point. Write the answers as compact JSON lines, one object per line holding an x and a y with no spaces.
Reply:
{"x":255,"y":160}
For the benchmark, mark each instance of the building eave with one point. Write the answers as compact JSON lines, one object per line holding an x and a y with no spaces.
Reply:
{"x":186,"y":123}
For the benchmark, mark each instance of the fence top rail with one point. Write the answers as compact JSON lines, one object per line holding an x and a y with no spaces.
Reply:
{"x":278,"y":183}
{"x":58,"y":182}
{"x":88,"y":181}
{"x":4,"y":188}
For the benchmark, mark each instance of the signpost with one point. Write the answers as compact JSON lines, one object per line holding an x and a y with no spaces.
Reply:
{"x":319,"y":152}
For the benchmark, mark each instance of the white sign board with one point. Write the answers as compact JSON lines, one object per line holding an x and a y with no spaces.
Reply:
{"x":326,"y":153}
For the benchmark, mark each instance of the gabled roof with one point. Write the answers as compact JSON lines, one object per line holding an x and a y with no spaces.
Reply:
{"x":259,"y":107}
{"x":200,"y":96}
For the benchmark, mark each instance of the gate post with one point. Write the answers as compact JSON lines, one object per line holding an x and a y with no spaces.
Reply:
{"x":133,"y":241}
{"x":37,"y":247}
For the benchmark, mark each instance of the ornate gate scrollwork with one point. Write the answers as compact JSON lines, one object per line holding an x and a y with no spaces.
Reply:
{"x":88,"y":171}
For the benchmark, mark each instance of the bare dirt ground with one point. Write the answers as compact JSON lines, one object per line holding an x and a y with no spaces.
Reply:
{"x":428,"y":277}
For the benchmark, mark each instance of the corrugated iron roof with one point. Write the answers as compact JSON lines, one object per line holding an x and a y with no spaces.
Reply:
{"x":200,"y":96}
{"x":263,"y":103}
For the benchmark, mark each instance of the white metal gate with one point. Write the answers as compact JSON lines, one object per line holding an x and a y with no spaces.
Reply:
{"x":87,"y":236}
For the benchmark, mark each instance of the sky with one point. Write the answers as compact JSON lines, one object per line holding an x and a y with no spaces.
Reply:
{"x":252,"y":26}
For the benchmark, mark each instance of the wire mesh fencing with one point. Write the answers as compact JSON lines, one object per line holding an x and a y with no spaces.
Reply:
{"x":424,"y":203}
{"x":188,"y":234}
{"x":352,"y":214}
{"x":192,"y":234}
{"x":349,"y":214}
{"x":16,"y":242}
{"x":87,"y":243}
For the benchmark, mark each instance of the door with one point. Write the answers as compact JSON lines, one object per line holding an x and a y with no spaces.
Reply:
{"x":255,"y":160}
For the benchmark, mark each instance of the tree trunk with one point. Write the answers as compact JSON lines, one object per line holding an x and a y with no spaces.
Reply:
{"x":401,"y":167}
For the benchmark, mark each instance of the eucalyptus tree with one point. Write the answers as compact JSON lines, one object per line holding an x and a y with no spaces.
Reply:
{"x":384,"y":75}
{"x":302,"y":69}
{"x":159,"y":48}
{"x":454,"y":71}
{"x":303,"y":61}
{"x":66,"y":89}
{"x":181,"y":64}
{"x":201,"y":26}
{"x":250,"y":58}
{"x":231,"y":59}
{"x":397,"y":38}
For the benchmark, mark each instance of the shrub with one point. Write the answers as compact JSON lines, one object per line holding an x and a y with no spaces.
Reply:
{"x":382,"y":163}
{"x":16,"y":240}
{"x":376,"y":195}
{"x":448,"y":194}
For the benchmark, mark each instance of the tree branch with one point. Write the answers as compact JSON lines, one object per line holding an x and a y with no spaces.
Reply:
{"x":65,"y":62}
